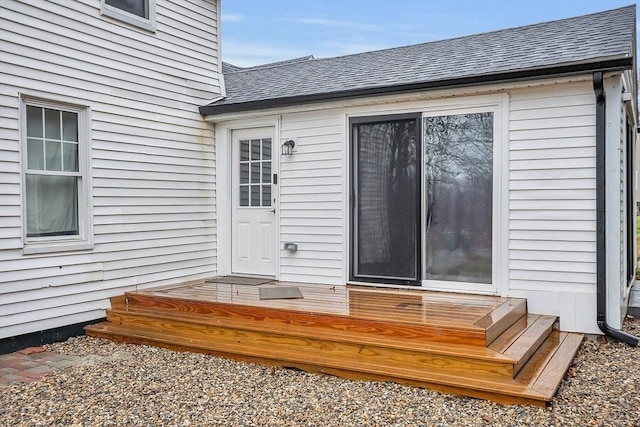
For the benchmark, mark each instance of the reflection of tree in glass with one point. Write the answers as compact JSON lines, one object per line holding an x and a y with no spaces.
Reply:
{"x":387,"y":179}
{"x":458,"y":196}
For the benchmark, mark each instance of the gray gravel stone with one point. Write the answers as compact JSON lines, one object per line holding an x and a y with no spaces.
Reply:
{"x":127,"y":385}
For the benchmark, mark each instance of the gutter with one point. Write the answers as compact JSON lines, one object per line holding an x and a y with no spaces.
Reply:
{"x":601,"y":260}
{"x":609,"y":64}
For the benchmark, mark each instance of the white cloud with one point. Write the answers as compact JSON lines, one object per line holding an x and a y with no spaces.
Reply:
{"x":351,"y":25}
{"x":247,"y":54}
{"x":232,"y":17}
{"x":339,"y":48}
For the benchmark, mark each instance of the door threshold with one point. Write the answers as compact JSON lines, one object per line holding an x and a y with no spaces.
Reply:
{"x":250,"y":276}
{"x":489,"y":292}
{"x":385,"y":285}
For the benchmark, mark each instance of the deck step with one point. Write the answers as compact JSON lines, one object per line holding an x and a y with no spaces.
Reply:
{"x":485,"y":347}
{"x":258,"y":338}
{"x":153,"y":319}
{"x":543,"y":373}
{"x":522,"y":345}
{"x":360,"y":320}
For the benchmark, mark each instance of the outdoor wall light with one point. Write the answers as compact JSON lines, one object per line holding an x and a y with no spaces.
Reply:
{"x":287,"y":147}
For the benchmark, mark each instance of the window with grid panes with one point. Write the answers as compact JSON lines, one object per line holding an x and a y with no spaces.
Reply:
{"x":53,"y":175}
{"x":255,"y":172}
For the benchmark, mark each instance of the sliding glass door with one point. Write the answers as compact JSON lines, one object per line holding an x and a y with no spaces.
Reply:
{"x":423,"y":199}
{"x":386,"y":199}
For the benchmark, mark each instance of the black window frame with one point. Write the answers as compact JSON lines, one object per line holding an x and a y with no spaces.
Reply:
{"x":353,"y":198}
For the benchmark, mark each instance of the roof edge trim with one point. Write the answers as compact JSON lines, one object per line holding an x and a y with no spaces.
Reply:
{"x":616,"y":64}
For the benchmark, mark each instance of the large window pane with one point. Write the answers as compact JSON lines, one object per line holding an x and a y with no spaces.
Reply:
{"x":52,"y":124}
{"x":266,"y":149}
{"x":266,"y":195}
{"x":244,"y":195}
{"x":53,"y":155}
{"x":255,"y":173}
{"x":255,"y":149}
{"x":135,"y":7}
{"x":52,"y":205}
{"x":35,"y":154}
{"x":244,"y":150}
{"x":458,"y":197}
{"x":34,"y":122}
{"x":70,"y":157}
{"x":387,"y":199}
{"x":69,"y":126}
{"x":244,"y":173}
{"x":266,"y":172}
{"x":255,"y":195}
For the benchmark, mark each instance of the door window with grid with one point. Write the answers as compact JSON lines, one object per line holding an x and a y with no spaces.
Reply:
{"x":255,"y":172}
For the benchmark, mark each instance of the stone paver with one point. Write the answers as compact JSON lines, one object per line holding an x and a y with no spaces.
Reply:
{"x":32,"y":364}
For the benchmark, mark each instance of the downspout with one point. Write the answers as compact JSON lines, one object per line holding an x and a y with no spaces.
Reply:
{"x":601,"y":261}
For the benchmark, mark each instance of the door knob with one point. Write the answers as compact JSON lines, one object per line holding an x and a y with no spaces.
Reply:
{"x":272,"y":210}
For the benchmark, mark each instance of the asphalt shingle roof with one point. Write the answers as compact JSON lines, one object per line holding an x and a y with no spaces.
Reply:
{"x":581,"y":41}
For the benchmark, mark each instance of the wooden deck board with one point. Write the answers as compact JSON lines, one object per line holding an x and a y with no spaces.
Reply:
{"x":365,"y":336}
{"x":464,"y":344}
{"x":301,"y":347}
{"x":417,"y":307}
{"x":549,"y":379}
{"x":530,"y":340}
{"x":329,"y":321}
{"x":458,"y":384}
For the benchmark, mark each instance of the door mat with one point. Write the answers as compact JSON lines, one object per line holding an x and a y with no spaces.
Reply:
{"x":236,"y":280}
{"x":285,"y":292}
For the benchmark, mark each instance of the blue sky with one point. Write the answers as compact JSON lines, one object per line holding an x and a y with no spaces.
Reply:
{"x":261,"y":31}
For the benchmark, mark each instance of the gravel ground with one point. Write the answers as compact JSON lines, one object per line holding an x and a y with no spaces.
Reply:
{"x":123,"y":385}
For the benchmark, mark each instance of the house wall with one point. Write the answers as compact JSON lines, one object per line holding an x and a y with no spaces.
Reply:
{"x":152,"y":156}
{"x":552,"y":202}
{"x":311,"y":197}
{"x":550,"y":239}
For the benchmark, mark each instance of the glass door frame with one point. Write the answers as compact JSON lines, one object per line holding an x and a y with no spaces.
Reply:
{"x":354,"y":275}
{"x":497,"y":202}
{"x":499,"y":106}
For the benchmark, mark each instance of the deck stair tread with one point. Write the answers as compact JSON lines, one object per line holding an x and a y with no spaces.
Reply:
{"x":304,"y":323}
{"x":534,"y":385}
{"x":434,"y":330}
{"x":364,"y":338}
{"x":180,"y":304}
{"x":484,"y":347}
{"x":529,"y":341}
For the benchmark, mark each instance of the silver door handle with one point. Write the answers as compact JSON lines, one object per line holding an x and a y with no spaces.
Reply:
{"x":272,"y":210}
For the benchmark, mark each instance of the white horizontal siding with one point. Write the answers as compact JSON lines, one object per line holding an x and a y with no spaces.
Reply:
{"x":552,"y":199}
{"x":311,"y":191}
{"x":152,"y":155}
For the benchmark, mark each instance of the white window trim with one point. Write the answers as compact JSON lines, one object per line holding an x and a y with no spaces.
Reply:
{"x":83,"y":241}
{"x":148,"y":24}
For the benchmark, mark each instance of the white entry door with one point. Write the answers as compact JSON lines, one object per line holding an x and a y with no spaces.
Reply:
{"x":253,"y":241}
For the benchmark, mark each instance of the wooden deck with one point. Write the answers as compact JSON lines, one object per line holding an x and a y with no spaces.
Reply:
{"x":478,"y":346}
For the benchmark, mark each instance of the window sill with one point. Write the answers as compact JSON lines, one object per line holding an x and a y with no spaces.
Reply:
{"x":49,"y":247}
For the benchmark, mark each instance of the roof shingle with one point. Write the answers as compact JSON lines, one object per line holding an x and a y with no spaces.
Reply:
{"x":588,"y":39}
